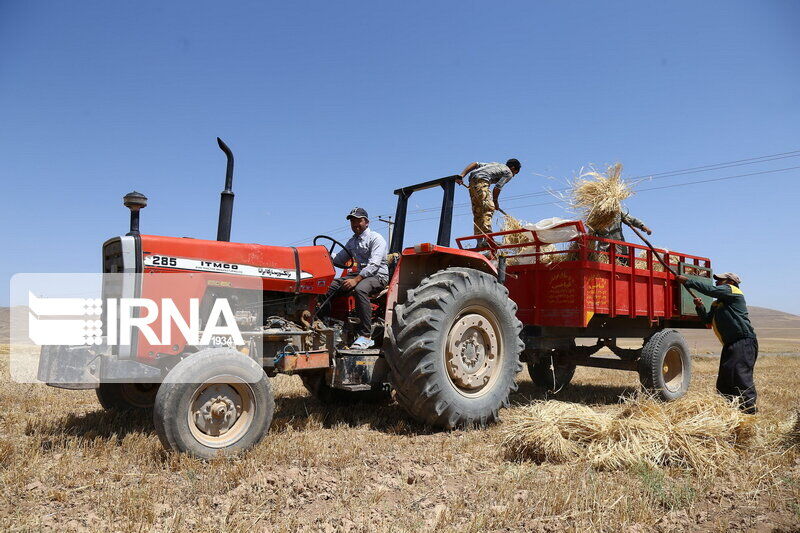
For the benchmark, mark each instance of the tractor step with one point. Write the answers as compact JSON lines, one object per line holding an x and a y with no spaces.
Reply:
{"x":358,"y":369}
{"x":371,"y":351}
{"x":354,"y":388}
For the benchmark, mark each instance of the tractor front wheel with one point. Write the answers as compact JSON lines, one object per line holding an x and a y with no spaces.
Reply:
{"x":455,"y":349}
{"x":214,"y":402}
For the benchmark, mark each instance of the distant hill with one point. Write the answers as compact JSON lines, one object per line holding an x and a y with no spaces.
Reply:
{"x":777,"y":331}
{"x":20,"y":312}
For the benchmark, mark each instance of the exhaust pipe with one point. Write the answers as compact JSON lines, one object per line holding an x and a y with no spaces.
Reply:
{"x":226,"y":197}
{"x":135,"y":201}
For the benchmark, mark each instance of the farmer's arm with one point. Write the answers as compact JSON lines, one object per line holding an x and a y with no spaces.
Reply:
{"x":720,"y":292}
{"x":469,"y":168}
{"x":705,"y":316}
{"x":377,"y":254}
{"x":635,"y":222}
{"x":505,"y":178}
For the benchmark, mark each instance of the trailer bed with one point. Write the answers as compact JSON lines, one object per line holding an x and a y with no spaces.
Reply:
{"x":576,"y":282}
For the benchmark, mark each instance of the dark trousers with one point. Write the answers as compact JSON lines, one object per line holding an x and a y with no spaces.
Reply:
{"x":735,"y":379}
{"x":362,"y":292}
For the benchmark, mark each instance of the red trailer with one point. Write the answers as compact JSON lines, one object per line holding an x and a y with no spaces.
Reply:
{"x":590,"y":287}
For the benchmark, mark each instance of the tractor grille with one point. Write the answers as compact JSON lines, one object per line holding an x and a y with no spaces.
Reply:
{"x":112,"y":257}
{"x":113,"y":268}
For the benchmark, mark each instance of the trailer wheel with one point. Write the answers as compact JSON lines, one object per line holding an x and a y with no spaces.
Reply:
{"x":455,"y":349}
{"x":214,"y":402}
{"x":319,"y":389}
{"x":551,"y":374}
{"x":665,"y":366}
{"x":126,"y":396}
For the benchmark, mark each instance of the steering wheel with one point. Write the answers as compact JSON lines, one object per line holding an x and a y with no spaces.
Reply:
{"x":334,"y":242}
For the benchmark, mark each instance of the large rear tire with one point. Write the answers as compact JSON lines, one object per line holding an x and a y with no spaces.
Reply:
{"x":455,"y":349}
{"x":665,"y":366}
{"x":214,"y":402}
{"x":127,"y":396}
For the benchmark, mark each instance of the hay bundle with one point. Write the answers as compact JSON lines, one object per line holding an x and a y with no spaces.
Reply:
{"x":599,"y":197}
{"x":793,"y":434}
{"x":509,"y":224}
{"x":641,"y":262}
{"x":697,"y":432}
{"x":554,"y":434}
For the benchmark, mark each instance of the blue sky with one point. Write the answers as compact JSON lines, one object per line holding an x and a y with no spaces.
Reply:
{"x":329,"y":105}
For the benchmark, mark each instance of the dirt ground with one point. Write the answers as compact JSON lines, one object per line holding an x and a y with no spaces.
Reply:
{"x":65,"y":464}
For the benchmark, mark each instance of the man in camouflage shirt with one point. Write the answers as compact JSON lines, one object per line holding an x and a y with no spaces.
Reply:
{"x":484,"y":202}
{"x":614,"y":232}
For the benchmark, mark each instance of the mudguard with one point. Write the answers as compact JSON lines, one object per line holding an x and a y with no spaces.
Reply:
{"x":83,"y":367}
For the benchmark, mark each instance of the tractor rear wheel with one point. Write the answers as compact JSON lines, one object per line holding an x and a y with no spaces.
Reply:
{"x":215,"y":402}
{"x":455,"y":349}
{"x":665,"y":366}
{"x":127,"y":396}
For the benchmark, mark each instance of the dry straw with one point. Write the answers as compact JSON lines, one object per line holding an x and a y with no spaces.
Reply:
{"x":698,"y":432}
{"x":599,"y":197}
{"x":509,"y":224}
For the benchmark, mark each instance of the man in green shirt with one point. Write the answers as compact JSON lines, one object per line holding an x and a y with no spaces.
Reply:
{"x":731,"y":323}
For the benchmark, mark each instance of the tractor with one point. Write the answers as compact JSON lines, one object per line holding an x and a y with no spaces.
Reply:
{"x":447,"y":336}
{"x":452,"y":329}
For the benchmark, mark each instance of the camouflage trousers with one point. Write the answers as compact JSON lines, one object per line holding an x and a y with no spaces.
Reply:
{"x":482,"y":206}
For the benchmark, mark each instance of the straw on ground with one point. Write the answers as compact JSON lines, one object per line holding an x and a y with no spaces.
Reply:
{"x":698,"y":432}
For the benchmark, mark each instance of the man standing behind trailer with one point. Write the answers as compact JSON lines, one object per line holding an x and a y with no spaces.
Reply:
{"x":368,"y":250}
{"x":728,"y":316}
{"x":614,"y":232}
{"x":484,"y":204}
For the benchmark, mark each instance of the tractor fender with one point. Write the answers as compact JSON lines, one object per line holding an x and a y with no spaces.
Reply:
{"x":419,"y":262}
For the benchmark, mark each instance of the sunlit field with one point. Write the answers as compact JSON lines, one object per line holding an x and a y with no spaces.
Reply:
{"x":67,"y":464}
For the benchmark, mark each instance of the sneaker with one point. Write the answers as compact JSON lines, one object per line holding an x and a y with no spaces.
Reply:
{"x":362,"y":343}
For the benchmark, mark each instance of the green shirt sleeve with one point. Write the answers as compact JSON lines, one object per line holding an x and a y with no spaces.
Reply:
{"x":705,"y":316}
{"x":720,"y":292}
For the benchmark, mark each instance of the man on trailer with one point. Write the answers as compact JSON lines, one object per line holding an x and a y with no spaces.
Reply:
{"x":731,"y":323}
{"x":370,"y":272}
{"x":614,"y":232}
{"x":484,"y":204}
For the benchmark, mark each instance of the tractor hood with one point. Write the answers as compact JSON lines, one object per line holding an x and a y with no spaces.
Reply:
{"x":306,"y":269}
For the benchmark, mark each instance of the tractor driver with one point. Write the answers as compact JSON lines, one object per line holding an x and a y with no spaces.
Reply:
{"x":370,"y":272}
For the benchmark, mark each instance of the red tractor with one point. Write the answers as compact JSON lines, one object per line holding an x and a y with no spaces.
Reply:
{"x":448,"y":329}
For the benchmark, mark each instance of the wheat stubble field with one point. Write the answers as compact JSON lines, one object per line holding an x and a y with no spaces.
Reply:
{"x":65,"y":464}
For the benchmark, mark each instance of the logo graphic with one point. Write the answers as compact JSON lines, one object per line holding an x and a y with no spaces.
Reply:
{"x":69,"y":320}
{"x":76,"y":321}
